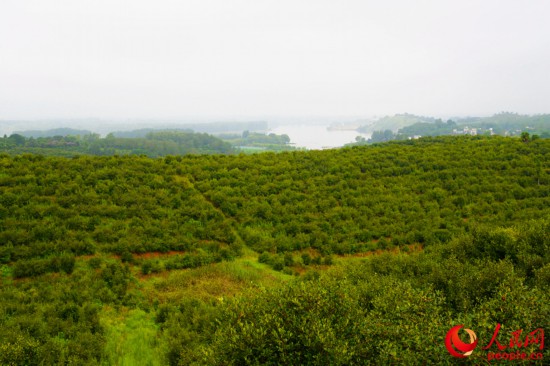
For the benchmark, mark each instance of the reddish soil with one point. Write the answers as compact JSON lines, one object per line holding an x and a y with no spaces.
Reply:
{"x":150,"y":255}
{"x":147,"y":255}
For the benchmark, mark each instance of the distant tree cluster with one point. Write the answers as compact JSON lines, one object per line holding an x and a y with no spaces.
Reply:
{"x":402,"y":127}
{"x":155,"y":144}
{"x":260,"y":141}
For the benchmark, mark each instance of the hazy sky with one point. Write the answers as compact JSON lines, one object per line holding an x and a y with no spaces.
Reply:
{"x":169,"y":59}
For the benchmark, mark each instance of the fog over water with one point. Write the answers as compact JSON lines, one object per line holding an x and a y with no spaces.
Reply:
{"x":315,"y":137}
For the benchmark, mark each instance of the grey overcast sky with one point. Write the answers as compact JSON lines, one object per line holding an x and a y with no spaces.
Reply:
{"x":171,"y":59}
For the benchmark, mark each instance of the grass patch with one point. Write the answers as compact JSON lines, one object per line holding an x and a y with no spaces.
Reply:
{"x":131,"y":339}
{"x":211,"y":282}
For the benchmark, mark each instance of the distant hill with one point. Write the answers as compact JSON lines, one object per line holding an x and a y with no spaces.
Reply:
{"x":213,"y":128}
{"x":510,"y":122}
{"x":411,"y":126}
{"x":394,"y":122}
{"x":143,"y":132}
{"x":63,"y":131}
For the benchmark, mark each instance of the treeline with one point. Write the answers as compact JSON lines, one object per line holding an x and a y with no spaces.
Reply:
{"x":259,"y":141}
{"x":154,"y":144}
{"x":213,"y":128}
{"x":513,"y":123}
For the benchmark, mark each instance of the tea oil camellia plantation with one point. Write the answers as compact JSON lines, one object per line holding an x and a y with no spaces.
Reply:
{"x":365,"y":255}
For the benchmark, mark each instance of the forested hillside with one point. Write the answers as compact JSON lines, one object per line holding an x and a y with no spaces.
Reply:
{"x":363,"y":255}
{"x":406,"y":126}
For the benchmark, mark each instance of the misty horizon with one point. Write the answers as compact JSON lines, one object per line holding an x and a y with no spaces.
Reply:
{"x":103,"y":126}
{"x":248,"y":59}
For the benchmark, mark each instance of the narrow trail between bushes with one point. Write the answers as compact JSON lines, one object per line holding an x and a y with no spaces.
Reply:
{"x":234,"y":231}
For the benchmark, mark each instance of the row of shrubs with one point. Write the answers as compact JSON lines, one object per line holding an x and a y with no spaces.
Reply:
{"x":280,"y":261}
{"x":37,"y":267}
{"x":198,"y":259}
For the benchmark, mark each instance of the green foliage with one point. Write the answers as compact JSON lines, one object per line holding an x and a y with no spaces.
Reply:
{"x":114,"y":205}
{"x":381,"y":136}
{"x":52,"y":320}
{"x":394,"y":122}
{"x":132,"y":341}
{"x":67,"y":263}
{"x":36,"y":267}
{"x":283,"y":262}
{"x":391,"y":309}
{"x":21,"y":349}
{"x":255,"y":142}
{"x":127,"y":257}
{"x":154,"y":144}
{"x":303,"y":323}
{"x":437,"y":128}
{"x":95,"y":262}
{"x":410,"y":126}
{"x":461,"y":223}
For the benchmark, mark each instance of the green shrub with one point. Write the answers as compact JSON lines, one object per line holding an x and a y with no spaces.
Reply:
{"x":288,"y":271}
{"x":146,"y":267}
{"x":127,"y":257}
{"x":67,"y":263}
{"x":95,"y":262}
{"x":265,"y":257}
{"x":30,"y":268}
{"x":288,"y":259}
{"x":278,"y":263}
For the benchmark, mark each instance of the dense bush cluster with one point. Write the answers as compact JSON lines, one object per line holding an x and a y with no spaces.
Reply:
{"x":396,"y":308}
{"x":56,"y":319}
{"x":87,"y":205}
{"x":359,"y":199}
{"x":285,"y":262}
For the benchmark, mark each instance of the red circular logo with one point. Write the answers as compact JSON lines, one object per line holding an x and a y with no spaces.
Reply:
{"x":454,"y":344}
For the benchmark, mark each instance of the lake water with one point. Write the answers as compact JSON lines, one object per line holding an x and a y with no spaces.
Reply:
{"x":315,"y":137}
